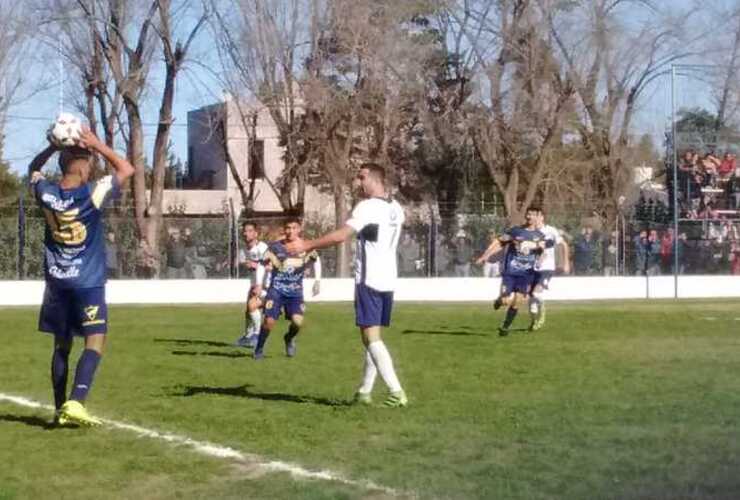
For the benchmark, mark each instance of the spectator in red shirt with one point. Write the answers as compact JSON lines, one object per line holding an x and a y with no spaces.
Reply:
{"x":727,"y":167}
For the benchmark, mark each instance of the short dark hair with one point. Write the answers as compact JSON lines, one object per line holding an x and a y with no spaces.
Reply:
{"x":291,"y":220}
{"x":375,"y":169}
{"x":249,"y":223}
{"x":535,"y":208}
{"x":68,"y":155}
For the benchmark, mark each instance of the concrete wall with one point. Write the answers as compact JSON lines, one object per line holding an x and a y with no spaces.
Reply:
{"x":14,"y":293}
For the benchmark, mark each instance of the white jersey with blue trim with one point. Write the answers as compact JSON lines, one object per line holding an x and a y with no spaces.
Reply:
{"x":251,"y":257}
{"x":377,"y":222}
{"x":547,"y":261}
{"x":74,"y":246}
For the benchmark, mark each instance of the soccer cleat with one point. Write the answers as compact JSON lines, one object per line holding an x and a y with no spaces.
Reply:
{"x":72,"y":412}
{"x":362,"y":398}
{"x":396,"y":400}
{"x":257,"y":355}
{"x":502,"y":332}
{"x":251,"y":341}
{"x":289,"y":346}
{"x":242,"y":341}
{"x":60,"y":420}
{"x":497,"y":304}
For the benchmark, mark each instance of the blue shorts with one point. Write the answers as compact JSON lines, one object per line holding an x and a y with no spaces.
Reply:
{"x":275,"y":302}
{"x":516,"y":283}
{"x":372,"y":308}
{"x":542,"y":278}
{"x":68,"y":312}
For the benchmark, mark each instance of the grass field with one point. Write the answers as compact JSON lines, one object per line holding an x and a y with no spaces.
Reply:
{"x":610,"y":400}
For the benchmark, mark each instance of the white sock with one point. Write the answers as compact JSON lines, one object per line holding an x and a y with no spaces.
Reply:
{"x":369,"y":375}
{"x":384,"y":364}
{"x":256,"y":317}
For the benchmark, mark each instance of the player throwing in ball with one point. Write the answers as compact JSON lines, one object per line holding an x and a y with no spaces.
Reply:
{"x":74,"y":265}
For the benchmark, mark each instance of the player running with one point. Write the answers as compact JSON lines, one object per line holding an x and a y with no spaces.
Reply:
{"x":523,"y":245}
{"x":377,"y":222}
{"x":74,"y":265}
{"x":251,"y":257}
{"x":285,"y":289}
{"x":544,"y":269}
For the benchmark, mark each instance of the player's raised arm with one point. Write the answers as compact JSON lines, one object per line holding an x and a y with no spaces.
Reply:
{"x":39,"y":161}
{"x":122,"y":168}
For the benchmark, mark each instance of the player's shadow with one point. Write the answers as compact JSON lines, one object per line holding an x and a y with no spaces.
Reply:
{"x":444,"y":332}
{"x":217,"y":354}
{"x":183,"y":342}
{"x":244,"y":391}
{"x":32,"y":421}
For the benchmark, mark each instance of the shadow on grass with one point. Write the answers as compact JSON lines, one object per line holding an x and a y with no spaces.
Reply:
{"x":443,"y":332}
{"x":28,"y":420}
{"x":210,"y":343}
{"x":243,"y":391}
{"x":217,"y":354}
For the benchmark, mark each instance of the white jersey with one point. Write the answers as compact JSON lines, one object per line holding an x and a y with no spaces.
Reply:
{"x":547,"y":261}
{"x":250,"y":257}
{"x":377,"y":223}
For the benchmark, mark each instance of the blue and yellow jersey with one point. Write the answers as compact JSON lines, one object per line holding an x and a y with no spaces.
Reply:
{"x":522,"y":249}
{"x":74,"y":243}
{"x":287,"y":271}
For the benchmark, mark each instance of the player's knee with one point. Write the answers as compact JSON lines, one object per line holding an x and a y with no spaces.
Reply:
{"x":297,"y":320}
{"x":269,"y":323}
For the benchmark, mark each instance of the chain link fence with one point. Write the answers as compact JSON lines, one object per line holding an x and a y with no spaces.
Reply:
{"x":208,"y":247}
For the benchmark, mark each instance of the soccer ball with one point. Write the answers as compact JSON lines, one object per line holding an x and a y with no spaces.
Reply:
{"x":65,"y":131}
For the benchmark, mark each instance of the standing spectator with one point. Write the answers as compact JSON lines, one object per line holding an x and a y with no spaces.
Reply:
{"x":462,"y":255}
{"x":727,"y":167}
{"x":640,"y":245}
{"x":586,"y":252}
{"x":611,"y":253}
{"x":666,"y":251}
{"x":175,"y":253}
{"x":145,"y":262}
{"x":408,"y":256}
{"x":735,"y":258}
{"x":111,"y":256}
{"x":653,"y":253}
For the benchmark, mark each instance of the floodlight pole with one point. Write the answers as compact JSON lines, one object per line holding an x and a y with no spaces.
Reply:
{"x":674,"y":144}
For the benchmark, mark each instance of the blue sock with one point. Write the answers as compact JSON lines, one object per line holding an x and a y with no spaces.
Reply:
{"x":262,"y":339}
{"x":292,"y":332}
{"x":510,"y":315}
{"x":84,"y":375}
{"x":59,"y":370}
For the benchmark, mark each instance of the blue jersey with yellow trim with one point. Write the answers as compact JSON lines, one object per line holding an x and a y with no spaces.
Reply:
{"x":287,"y":271}
{"x":74,"y":246}
{"x":522,"y":250}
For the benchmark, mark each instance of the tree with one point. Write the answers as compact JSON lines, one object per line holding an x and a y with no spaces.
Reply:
{"x":613,"y":51}
{"x":128,"y":58}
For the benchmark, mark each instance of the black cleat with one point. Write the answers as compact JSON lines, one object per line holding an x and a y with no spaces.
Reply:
{"x":497,"y":304}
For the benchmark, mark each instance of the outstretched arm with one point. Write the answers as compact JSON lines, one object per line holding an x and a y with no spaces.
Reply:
{"x":330,"y":239}
{"x":494,"y":247}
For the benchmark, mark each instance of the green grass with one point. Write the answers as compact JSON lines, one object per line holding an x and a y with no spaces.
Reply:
{"x":610,"y":400}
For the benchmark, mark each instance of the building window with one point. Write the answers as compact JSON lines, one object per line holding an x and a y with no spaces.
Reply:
{"x":257,"y":159}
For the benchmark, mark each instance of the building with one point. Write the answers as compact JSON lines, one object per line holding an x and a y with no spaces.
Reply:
{"x":210,"y":186}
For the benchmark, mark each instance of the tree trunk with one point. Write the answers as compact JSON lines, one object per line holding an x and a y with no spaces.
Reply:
{"x":341,"y":213}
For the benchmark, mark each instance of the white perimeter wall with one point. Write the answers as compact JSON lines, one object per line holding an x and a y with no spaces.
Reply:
{"x":16,"y":293}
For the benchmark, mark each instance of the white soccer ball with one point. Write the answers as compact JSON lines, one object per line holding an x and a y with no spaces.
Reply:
{"x":65,"y":131}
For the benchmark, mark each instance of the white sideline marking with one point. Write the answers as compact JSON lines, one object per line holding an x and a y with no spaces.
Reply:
{"x":217,"y":451}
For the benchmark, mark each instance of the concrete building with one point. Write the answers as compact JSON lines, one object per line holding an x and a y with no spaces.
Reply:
{"x":210,"y":185}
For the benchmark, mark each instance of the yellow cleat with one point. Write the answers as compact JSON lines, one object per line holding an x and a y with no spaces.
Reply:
{"x":72,"y":412}
{"x":396,"y":400}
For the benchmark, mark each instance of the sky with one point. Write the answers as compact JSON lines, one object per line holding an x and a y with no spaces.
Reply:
{"x":28,"y":119}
